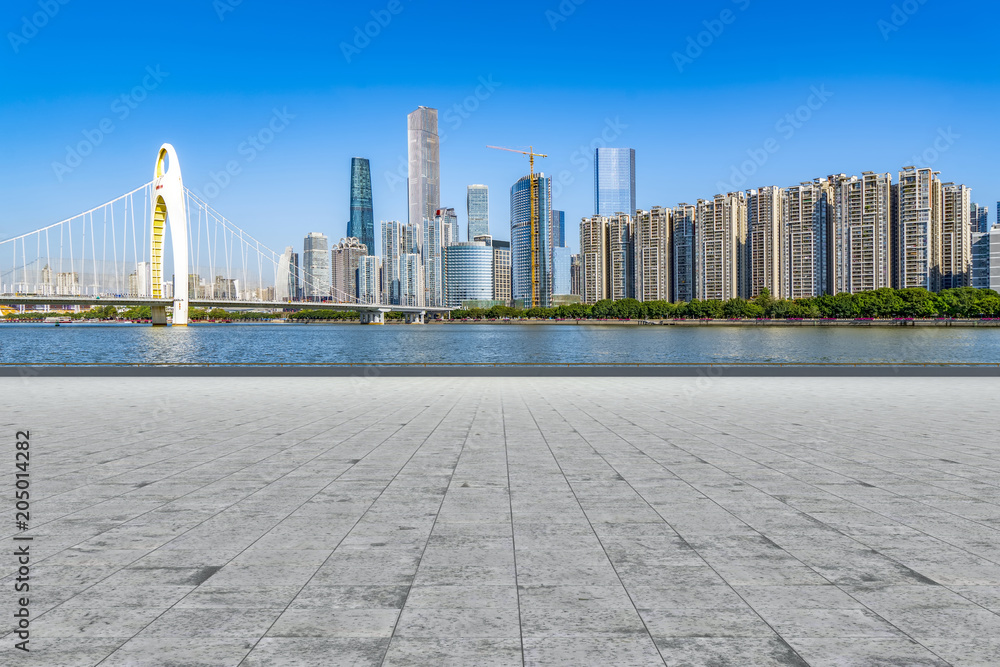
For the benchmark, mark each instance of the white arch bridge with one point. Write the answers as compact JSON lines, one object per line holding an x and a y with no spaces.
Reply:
{"x":116,"y":254}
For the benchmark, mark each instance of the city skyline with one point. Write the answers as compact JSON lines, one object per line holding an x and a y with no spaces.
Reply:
{"x":709,"y":105}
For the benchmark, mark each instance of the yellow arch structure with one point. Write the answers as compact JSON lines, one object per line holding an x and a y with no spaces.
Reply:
{"x":168,"y":203}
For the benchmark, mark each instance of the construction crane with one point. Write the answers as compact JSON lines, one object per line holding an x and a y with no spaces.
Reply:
{"x":534,"y":216}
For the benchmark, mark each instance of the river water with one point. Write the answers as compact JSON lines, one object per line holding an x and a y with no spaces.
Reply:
{"x":465,"y":343}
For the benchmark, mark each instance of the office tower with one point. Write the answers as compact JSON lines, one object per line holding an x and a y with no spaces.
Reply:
{"x":393,"y":247}
{"x":955,"y":255}
{"x":369,"y":273}
{"x":860,"y":238}
{"x":614,"y":181}
{"x":653,"y":246}
{"x":411,"y":280}
{"x":621,"y":257}
{"x":558,"y":229}
{"x":806,"y":219}
{"x":684,"y":259}
{"x":914,"y":228}
{"x":994,"y":235}
{"x":576,"y":275}
{"x":980,"y":276}
{"x":561,"y":271}
{"x":436,"y":231}
{"x":345,"y":258}
{"x":478,"y":204}
{"x":424,"y":180}
{"x":316,"y":267}
{"x":449,"y":225}
{"x":531,"y":256}
{"x":502,"y":275}
{"x":720,"y":247}
{"x":594,"y":259}
{"x":979,"y":218}
{"x":286,"y":281}
{"x":362,"y":224}
{"x":469,"y":272}
{"x":765,"y":243}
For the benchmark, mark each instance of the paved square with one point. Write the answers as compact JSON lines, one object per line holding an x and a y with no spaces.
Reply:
{"x":529,"y":521}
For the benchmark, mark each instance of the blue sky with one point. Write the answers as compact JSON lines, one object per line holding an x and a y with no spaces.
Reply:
{"x":702,"y":91}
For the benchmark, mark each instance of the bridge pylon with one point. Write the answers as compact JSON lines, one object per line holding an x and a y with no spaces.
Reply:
{"x":168,"y":204}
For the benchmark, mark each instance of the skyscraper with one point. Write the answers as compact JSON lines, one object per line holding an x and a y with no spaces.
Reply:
{"x":501,"y":271}
{"x":531,"y":254}
{"x":437,"y":233}
{"x":449,"y":226}
{"x":720,"y":247}
{"x":393,"y":249}
{"x":469,"y":272}
{"x":411,"y":280}
{"x":478,"y":206}
{"x":316,"y":267}
{"x":806,"y":219}
{"x":614,"y":181}
{"x":594,"y":259}
{"x":369,"y":274}
{"x":345,"y":258}
{"x":362,"y":224}
{"x":914,"y":227}
{"x":559,"y":228}
{"x":621,"y":257}
{"x":424,"y":181}
{"x":576,"y":275}
{"x":287,"y":277}
{"x":653,"y":274}
{"x":980,"y":260}
{"x":979,"y":218}
{"x":955,"y":254}
{"x":861,"y":246}
{"x":765,"y":243}
{"x":561,"y":271}
{"x":684,"y":263}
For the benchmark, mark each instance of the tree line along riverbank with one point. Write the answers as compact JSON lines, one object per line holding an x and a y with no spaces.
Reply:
{"x":883,"y":304}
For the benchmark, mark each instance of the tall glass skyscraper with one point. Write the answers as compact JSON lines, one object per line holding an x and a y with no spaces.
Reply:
{"x":424,"y":181}
{"x":362,"y":224}
{"x":614,"y":181}
{"x":316,"y":267}
{"x":562,"y":260}
{"x":286,"y":282}
{"x":479,"y":211}
{"x":558,"y":230}
{"x":520,"y":241}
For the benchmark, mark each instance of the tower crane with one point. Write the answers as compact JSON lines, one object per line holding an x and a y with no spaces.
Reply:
{"x":534,"y":216}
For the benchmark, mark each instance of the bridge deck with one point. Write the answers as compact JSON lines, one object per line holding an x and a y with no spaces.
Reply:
{"x":34,"y":300}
